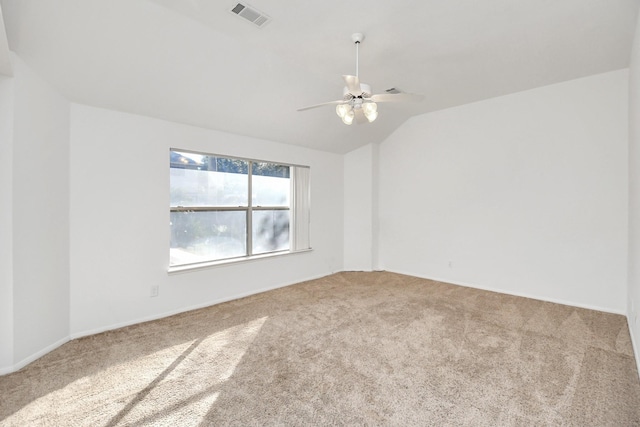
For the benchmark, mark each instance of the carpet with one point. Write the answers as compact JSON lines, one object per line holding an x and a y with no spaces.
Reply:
{"x":352,"y":348}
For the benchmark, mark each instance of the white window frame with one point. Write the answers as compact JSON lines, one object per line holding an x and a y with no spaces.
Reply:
{"x":299,"y":213}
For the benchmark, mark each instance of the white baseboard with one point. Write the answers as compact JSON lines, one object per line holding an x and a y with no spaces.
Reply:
{"x":634,"y":345}
{"x":111,"y":327}
{"x":33,"y":357}
{"x":517,"y":294}
{"x":4,"y":370}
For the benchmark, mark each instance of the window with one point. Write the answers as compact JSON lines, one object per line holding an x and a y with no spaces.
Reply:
{"x":225,"y":208}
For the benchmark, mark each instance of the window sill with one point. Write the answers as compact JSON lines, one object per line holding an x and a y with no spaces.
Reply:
{"x":202,"y":265}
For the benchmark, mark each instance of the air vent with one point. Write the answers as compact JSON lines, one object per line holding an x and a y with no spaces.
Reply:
{"x":393,"y":90}
{"x":251,"y":14}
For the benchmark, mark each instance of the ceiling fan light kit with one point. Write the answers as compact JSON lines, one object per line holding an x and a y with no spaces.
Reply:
{"x":358,"y":103}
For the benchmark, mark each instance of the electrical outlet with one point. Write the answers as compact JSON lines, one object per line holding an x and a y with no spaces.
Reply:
{"x":155,"y":290}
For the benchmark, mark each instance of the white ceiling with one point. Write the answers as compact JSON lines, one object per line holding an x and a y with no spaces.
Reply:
{"x":192,"y":61}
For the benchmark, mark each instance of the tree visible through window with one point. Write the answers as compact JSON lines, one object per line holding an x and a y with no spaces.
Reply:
{"x":223,"y":208}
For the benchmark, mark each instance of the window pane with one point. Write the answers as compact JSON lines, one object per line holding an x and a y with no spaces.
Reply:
{"x":270,"y":169}
{"x":198,"y":180}
{"x":271,"y":185}
{"x":270,"y":231}
{"x":207,"y":236}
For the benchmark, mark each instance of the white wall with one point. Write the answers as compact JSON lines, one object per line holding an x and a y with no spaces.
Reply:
{"x":6,"y":223}
{"x":524,"y":194}
{"x":40,"y":216}
{"x":633,"y":307}
{"x":359,"y":190}
{"x":120,"y":220}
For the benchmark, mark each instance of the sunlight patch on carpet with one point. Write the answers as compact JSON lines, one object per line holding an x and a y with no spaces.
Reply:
{"x":176,"y":385}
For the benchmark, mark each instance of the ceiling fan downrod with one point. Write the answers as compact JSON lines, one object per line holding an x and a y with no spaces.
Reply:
{"x":357,"y":39}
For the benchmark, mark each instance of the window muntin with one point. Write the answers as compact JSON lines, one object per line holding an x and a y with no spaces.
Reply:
{"x":223,"y":208}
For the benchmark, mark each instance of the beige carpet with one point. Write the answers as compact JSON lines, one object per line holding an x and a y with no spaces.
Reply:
{"x":347,"y":349}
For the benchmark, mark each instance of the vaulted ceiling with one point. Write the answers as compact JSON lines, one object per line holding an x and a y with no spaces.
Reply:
{"x":192,"y":61}
{"x":5,"y":62}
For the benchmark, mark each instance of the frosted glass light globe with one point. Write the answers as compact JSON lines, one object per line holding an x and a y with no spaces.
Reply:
{"x":347,"y":119}
{"x":370,"y":107}
{"x":342,"y":109}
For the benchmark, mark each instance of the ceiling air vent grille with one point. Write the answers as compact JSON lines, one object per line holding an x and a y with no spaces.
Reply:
{"x":251,"y":14}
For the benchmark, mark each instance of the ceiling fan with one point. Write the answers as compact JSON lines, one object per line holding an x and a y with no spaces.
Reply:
{"x":358,"y":103}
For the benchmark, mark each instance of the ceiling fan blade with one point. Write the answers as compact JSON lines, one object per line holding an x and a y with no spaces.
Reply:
{"x":321,"y":105}
{"x":360,"y":117}
{"x":397,"y":97}
{"x":353,"y":84}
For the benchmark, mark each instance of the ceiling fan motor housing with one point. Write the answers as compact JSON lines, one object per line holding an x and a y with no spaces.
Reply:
{"x":366,"y":92}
